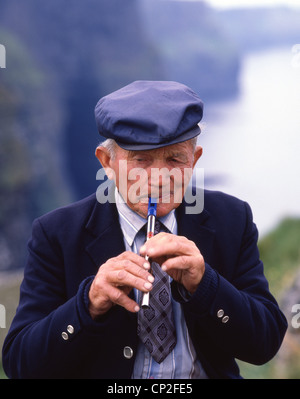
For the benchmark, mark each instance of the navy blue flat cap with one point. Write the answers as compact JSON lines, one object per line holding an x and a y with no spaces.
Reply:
{"x":149,"y":114}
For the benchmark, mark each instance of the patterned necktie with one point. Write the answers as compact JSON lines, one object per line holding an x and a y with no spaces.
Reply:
{"x":156,"y":323}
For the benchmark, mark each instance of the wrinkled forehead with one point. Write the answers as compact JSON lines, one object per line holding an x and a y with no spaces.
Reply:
{"x":179,"y":149}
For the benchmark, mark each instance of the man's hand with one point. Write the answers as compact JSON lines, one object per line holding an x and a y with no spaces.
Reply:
{"x":178,"y":256}
{"x":114,"y":281}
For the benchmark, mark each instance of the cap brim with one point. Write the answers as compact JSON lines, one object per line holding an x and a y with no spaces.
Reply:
{"x":195,"y":131}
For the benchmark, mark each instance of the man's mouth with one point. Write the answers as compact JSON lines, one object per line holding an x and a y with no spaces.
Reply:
{"x":156,"y":197}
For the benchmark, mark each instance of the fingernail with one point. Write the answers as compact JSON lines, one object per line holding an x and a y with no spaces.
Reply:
{"x":143,"y":248}
{"x":164,"y":268}
{"x":148,"y":286}
{"x":146,"y":265}
{"x":150,"y":278}
{"x":137,"y":308}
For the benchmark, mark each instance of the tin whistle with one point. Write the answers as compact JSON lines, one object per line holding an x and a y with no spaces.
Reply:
{"x":151,"y":216}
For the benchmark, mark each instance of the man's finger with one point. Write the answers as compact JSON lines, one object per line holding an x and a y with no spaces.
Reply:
{"x":168,"y":245}
{"x":119,"y":297}
{"x":121,"y":278}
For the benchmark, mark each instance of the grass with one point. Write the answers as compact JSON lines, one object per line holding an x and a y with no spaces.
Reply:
{"x":280,"y":253}
{"x":9,"y":297}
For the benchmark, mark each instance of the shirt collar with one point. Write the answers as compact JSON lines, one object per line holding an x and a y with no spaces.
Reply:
{"x":129,"y":220}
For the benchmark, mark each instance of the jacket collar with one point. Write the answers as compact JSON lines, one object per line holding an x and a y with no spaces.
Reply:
{"x":197,"y":228}
{"x":107,"y":239}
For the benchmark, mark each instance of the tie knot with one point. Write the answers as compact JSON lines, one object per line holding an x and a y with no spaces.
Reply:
{"x":158,"y":227}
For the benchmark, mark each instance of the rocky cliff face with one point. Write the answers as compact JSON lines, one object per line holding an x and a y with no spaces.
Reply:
{"x":83,"y":50}
{"x":61,"y":58}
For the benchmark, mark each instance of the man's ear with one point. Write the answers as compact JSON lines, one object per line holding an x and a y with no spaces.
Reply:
{"x":197,"y":154}
{"x":104,"y":157}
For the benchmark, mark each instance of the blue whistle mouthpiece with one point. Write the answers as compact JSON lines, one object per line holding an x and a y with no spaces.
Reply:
{"x":152,"y":205}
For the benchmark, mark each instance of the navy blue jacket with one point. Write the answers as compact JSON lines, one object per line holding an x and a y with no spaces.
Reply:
{"x":65,"y":251}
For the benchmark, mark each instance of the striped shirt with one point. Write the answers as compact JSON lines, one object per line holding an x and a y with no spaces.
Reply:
{"x":182,"y":362}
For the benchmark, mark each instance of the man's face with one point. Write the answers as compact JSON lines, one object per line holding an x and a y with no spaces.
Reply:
{"x":162,"y":173}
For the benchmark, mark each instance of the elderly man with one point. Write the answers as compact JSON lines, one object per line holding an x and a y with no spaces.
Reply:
{"x":80,"y":313}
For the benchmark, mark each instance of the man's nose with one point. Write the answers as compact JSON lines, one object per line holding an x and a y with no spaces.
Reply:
{"x":158,"y":175}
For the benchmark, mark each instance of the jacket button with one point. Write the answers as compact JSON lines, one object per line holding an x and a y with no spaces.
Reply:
{"x":127,"y":352}
{"x":70,"y":329}
{"x":64,"y":336}
{"x":225,"y":319}
{"x":220,"y":313}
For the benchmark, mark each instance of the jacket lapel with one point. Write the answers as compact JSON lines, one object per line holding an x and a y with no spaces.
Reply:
{"x":197,"y":229}
{"x":107,"y":239}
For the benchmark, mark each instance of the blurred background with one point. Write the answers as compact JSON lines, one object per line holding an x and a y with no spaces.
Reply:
{"x":241,"y":57}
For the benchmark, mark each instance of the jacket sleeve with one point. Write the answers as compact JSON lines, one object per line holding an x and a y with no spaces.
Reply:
{"x":53,"y":336}
{"x":236,"y":314}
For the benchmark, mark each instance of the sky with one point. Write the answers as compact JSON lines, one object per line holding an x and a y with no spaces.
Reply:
{"x":251,"y":3}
